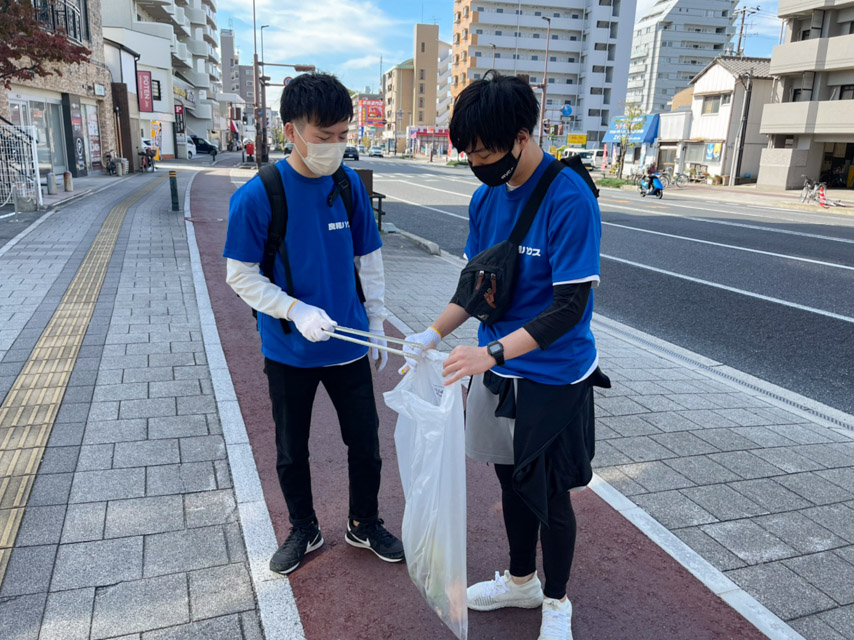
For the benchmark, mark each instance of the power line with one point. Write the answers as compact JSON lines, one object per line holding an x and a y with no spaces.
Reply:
{"x":744,"y":11}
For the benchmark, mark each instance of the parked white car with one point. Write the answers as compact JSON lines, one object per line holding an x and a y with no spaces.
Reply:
{"x":191,"y":148}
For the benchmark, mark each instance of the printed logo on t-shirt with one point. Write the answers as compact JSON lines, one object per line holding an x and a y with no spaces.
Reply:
{"x":529,"y":251}
{"x":334,"y":226}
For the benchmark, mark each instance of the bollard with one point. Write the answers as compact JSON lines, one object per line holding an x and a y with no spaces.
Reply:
{"x":51,"y":184}
{"x":66,"y":181}
{"x":173,"y":186}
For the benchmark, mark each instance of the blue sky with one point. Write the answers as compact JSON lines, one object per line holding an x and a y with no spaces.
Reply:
{"x":347,"y":37}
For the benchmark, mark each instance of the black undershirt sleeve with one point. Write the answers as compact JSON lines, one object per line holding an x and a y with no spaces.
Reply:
{"x":570,"y":301}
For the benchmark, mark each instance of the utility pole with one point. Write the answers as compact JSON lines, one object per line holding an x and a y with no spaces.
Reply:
{"x":545,"y":77}
{"x":493,"y":55}
{"x":744,"y":11}
{"x":256,"y":93}
{"x":742,"y":130}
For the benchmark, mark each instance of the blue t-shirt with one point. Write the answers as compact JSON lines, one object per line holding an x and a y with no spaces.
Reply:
{"x":321,"y":247}
{"x":561,"y":247}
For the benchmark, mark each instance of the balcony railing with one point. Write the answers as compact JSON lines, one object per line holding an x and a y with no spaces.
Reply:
{"x":60,"y":15}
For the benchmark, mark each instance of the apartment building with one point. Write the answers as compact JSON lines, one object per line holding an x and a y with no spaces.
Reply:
{"x":444,"y":99}
{"x":581,"y":48}
{"x":178,"y":70}
{"x":810,"y":120}
{"x":246,"y":83}
{"x":671,"y":44}
{"x":397,"y":92}
{"x":410,"y":89}
{"x":230,"y":61}
{"x":368,"y":121}
{"x":73,"y":113}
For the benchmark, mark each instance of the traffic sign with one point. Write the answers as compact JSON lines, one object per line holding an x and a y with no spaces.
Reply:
{"x":566,"y":110}
{"x":287,"y":80}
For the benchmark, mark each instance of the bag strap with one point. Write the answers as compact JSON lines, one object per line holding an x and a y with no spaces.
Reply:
{"x":574,"y":163}
{"x":275,"y":188}
{"x":344,"y":188}
{"x":523,"y":224}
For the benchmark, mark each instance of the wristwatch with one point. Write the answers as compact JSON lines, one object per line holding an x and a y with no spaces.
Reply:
{"x":496,"y":350}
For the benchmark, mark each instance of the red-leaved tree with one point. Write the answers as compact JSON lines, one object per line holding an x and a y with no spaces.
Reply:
{"x":31,"y":43}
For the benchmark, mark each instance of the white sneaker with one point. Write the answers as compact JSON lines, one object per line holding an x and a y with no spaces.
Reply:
{"x":503,"y":592}
{"x":557,"y":620}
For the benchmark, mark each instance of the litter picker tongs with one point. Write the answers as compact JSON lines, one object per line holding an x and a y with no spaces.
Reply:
{"x":365,"y":343}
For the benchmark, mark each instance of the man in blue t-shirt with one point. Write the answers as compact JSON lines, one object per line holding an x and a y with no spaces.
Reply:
{"x":530,"y":401}
{"x":328,"y":257}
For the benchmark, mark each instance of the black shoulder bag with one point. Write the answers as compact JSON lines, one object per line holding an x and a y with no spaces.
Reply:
{"x":275,"y":188}
{"x":488,"y":282}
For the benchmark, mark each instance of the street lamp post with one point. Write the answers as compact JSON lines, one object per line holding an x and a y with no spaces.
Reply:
{"x":493,"y":55}
{"x":256,"y":82}
{"x":265,"y":154}
{"x":545,"y":77}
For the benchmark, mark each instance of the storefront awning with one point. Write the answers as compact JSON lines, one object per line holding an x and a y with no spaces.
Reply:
{"x":648,"y":132}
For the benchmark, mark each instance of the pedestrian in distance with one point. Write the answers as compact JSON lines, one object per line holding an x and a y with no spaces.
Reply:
{"x":304,"y":267}
{"x":530,"y":401}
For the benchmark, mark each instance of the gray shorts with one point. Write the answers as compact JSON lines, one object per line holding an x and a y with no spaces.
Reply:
{"x":488,"y":439}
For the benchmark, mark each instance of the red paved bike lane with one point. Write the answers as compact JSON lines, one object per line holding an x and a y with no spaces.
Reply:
{"x":622,"y":585}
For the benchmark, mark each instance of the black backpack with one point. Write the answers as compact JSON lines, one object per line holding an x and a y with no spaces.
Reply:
{"x":488,"y":282}
{"x":275,"y":188}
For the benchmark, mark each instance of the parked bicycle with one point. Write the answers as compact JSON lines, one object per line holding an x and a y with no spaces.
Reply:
{"x":810,"y":190}
{"x":147,"y":159}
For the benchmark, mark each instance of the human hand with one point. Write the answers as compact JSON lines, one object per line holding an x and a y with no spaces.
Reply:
{"x":466,"y":361}
{"x":311,"y":321}
{"x":428,"y":339}
{"x":379,"y":356}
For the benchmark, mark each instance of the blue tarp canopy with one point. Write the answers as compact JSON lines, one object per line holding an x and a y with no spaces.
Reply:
{"x":647,"y":133}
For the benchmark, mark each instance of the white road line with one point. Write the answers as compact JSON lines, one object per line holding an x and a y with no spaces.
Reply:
{"x":423,"y":186}
{"x":730,"y":246}
{"x":759,"y":296}
{"x":799,"y":220}
{"x":728,"y":223}
{"x":424,"y":206}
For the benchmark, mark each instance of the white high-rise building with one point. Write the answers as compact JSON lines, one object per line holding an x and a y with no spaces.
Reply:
{"x":177,"y":44}
{"x":588,"y":54}
{"x":672,"y":43}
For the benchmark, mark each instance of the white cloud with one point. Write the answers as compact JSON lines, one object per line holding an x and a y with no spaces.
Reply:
{"x":365,"y":62}
{"x":303,"y":31}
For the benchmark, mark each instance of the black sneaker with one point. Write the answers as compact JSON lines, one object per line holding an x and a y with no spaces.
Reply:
{"x":375,"y":536}
{"x":300,"y":541}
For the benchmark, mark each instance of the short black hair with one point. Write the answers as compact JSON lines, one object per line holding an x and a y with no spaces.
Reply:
{"x":493,"y":110}
{"x":317,"y":98}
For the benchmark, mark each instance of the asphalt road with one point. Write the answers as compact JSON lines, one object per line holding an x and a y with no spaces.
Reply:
{"x":767,"y":291}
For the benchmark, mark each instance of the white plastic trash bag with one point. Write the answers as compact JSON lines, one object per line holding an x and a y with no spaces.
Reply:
{"x":430,"y":442}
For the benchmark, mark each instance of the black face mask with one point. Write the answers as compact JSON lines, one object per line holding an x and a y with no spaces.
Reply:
{"x":497,"y":173}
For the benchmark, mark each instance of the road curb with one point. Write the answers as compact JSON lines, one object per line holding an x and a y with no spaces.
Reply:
{"x":428,"y":245}
{"x":277,"y":608}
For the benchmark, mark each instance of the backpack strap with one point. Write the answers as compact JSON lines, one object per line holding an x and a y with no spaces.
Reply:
{"x":344,"y":188}
{"x":574,"y":163}
{"x":523,"y":224}
{"x":275,"y":188}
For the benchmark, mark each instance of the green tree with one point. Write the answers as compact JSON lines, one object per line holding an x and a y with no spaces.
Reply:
{"x":632,"y":120}
{"x":32,"y":43}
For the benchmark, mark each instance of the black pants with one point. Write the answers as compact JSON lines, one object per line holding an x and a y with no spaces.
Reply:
{"x":351,"y":389}
{"x":522,"y":527}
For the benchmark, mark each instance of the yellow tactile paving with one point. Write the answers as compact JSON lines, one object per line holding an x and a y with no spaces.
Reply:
{"x":29,"y":409}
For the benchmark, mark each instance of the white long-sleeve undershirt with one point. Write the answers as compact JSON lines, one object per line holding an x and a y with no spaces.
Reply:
{"x":256,"y":290}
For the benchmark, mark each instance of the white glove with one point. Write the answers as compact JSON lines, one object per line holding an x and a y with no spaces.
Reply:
{"x":428,"y":339}
{"x":379,"y":356}
{"x":311,"y":321}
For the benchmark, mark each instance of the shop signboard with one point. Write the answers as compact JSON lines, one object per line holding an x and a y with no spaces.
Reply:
{"x":94,"y":135}
{"x":146,"y":97}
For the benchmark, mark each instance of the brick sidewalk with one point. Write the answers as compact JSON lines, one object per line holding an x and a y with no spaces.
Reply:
{"x":131,"y":526}
{"x":763,"y":493}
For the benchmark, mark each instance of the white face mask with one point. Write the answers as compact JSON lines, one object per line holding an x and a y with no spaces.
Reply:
{"x":322,"y":159}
